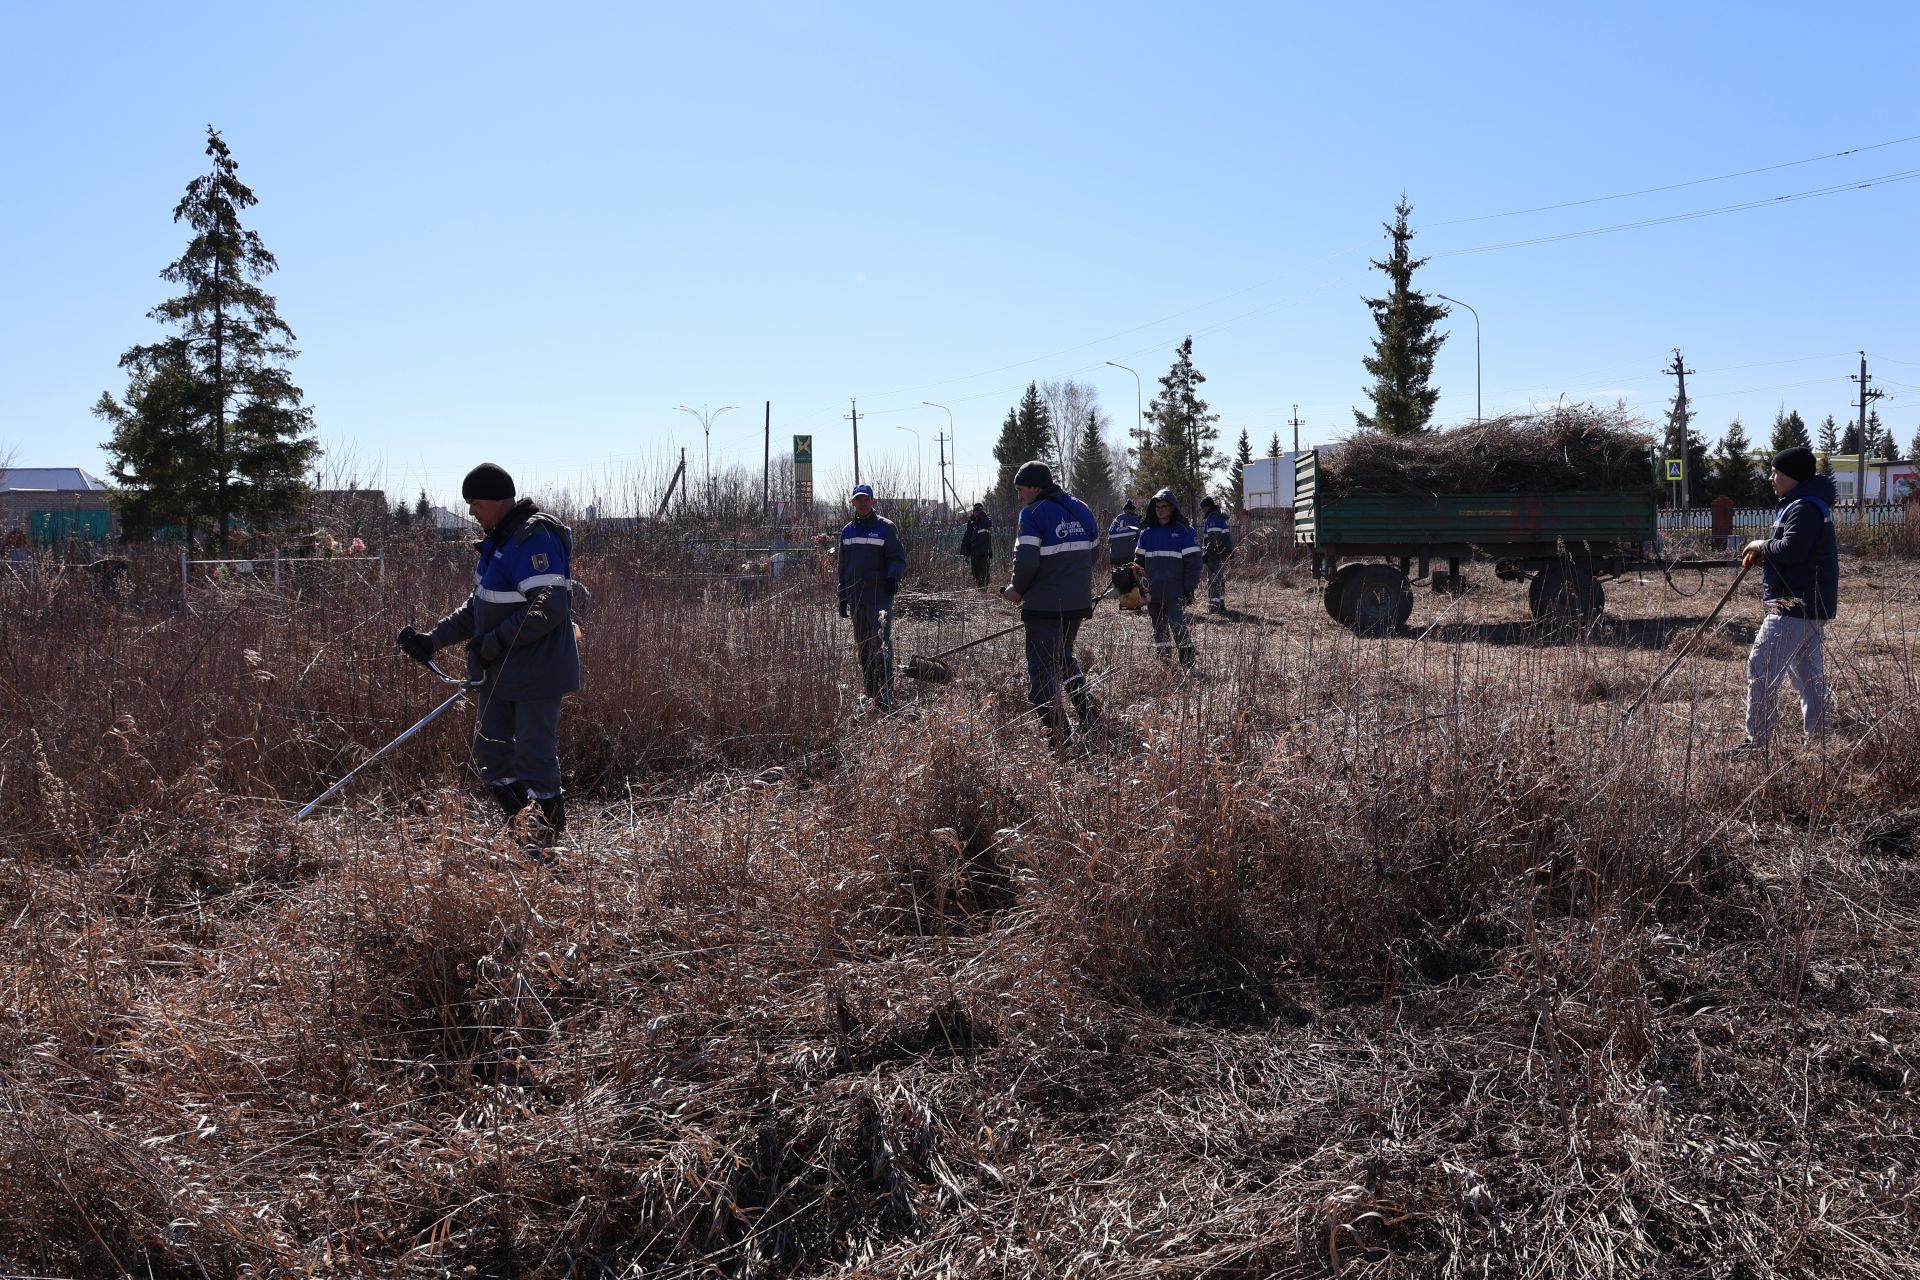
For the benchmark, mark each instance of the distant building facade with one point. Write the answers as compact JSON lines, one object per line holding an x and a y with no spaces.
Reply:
{"x":54,"y":505}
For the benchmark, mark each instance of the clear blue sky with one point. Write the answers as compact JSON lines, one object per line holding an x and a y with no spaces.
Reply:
{"x":526,"y":234}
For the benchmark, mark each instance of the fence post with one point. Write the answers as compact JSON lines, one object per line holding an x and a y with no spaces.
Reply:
{"x":186,"y":583}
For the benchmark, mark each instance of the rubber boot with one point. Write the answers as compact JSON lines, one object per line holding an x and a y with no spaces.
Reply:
{"x":1186,"y":658}
{"x":544,"y":838}
{"x":511,"y":797}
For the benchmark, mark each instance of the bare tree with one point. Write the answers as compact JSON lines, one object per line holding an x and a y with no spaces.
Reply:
{"x":1068,"y":404}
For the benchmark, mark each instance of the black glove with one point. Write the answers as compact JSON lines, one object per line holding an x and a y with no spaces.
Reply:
{"x":476,"y":669}
{"x":843,"y":608}
{"x":893,"y":585}
{"x":415,"y":644}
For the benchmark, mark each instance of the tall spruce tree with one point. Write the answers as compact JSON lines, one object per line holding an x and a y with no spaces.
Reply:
{"x":211,"y":425}
{"x":1092,"y":479}
{"x":1237,"y":477}
{"x":1733,"y":470}
{"x":1850,"y":440}
{"x":1273,"y":446}
{"x":1829,"y":444}
{"x":1913,"y":447}
{"x":1402,"y":359}
{"x":1179,"y":451}
{"x":1885,"y":447}
{"x":1789,"y":431}
{"x":1025,"y":436}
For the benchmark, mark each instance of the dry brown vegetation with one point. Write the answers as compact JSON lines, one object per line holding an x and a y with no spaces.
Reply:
{"x":1395,"y":957}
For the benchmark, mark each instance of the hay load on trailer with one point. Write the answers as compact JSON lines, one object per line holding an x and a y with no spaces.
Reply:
{"x":1563,"y":499}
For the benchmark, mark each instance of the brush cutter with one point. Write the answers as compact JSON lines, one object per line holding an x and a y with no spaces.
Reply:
{"x":466,"y":686}
{"x":934,"y":669}
{"x":1687,"y":644}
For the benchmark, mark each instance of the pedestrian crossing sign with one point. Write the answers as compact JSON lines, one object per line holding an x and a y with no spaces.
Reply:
{"x":1674,"y":468}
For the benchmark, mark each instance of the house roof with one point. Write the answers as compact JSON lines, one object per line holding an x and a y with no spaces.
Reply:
{"x":45,"y":479}
{"x":445,"y":519}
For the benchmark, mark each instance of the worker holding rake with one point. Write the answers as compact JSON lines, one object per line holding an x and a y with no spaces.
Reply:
{"x":1053,"y":585}
{"x":872,"y":562}
{"x":522,"y":653}
{"x":1801,"y":587}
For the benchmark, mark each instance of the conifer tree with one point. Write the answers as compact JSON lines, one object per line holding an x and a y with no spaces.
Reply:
{"x":1733,"y":470}
{"x":1789,"y":431}
{"x":211,"y":425}
{"x":1913,"y":447}
{"x":1829,"y":444}
{"x":1403,"y":353}
{"x":1025,"y":436}
{"x":1885,"y":447}
{"x":1237,"y":477}
{"x":422,"y":509}
{"x":1092,"y":480}
{"x":1850,"y":440}
{"x":1179,"y":452}
{"x":1273,"y":446}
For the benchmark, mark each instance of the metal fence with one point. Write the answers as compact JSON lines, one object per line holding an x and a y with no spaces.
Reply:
{"x":1701,"y":518}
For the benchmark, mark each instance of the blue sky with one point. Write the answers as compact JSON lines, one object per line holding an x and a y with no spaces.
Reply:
{"x":527,"y":236}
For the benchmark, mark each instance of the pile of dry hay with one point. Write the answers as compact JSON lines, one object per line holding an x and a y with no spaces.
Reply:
{"x":1574,"y":447}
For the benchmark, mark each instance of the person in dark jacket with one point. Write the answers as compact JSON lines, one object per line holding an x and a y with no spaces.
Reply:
{"x":1216,"y":545}
{"x":872,"y":562}
{"x":1053,"y":585}
{"x":1800,"y":562}
{"x":976,"y":544}
{"x":521,"y":647}
{"x":1170,"y":552}
{"x":1122,"y":535}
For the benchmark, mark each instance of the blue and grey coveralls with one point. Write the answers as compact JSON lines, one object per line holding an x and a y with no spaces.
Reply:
{"x":1121,"y":535}
{"x":976,"y":544}
{"x":872,"y":562}
{"x":1801,"y":588}
{"x":1053,"y":572}
{"x":1216,"y":542}
{"x":1170,"y":553}
{"x":519,"y":625}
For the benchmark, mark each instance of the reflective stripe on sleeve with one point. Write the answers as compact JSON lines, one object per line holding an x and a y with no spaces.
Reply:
{"x":863,"y":542}
{"x":1028,"y":540}
{"x":1078,"y":545}
{"x":499,"y":597}
{"x":544,"y":580}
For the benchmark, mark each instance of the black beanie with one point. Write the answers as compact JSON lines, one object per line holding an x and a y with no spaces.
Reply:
{"x":1797,"y":462}
{"x":1034,"y":475}
{"x":487,"y":482}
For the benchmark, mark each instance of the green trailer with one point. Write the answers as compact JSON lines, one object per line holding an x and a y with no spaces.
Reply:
{"x":1373,"y":548}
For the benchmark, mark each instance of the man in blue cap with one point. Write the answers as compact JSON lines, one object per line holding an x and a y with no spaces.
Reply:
{"x":518,"y":625}
{"x":872,"y":562}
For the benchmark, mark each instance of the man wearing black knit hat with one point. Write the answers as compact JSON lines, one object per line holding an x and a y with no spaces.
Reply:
{"x":1801,"y":588}
{"x":518,"y":625}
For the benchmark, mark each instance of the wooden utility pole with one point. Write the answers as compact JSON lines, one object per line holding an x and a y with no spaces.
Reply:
{"x":854,"y":418}
{"x":1867,"y":397}
{"x":1680,"y":371}
{"x":946,"y":487}
{"x":766,"y":460}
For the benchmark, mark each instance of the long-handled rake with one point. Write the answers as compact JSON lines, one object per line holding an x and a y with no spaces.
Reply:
{"x":1686,"y":645}
{"x":466,"y":686}
{"x":933,"y":668}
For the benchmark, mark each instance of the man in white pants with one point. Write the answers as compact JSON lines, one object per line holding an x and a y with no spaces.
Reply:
{"x":1801,"y":586}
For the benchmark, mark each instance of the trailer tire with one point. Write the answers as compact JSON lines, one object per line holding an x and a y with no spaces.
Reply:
{"x":1376,"y":601}
{"x":1566,"y":592}
{"x":1336,"y":586}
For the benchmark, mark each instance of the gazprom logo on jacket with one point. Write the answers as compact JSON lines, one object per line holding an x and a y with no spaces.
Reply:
{"x":1067,"y":530}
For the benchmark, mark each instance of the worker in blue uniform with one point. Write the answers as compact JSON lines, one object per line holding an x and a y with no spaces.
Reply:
{"x":872,"y":562}
{"x":1053,"y":585}
{"x":1216,"y":546}
{"x":521,"y":647}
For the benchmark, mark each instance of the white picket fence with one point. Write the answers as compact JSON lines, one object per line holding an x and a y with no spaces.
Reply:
{"x":1701,"y":518}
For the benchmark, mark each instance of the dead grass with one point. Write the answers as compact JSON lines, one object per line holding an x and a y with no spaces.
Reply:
{"x":1394,"y":957}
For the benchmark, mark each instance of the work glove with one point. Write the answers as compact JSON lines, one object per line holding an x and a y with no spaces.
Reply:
{"x":416,"y":645}
{"x":893,"y":585}
{"x":843,"y":608}
{"x":1753,"y":553}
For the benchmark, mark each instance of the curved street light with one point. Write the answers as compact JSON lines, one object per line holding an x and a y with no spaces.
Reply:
{"x":955,"y":442}
{"x":1139,"y":411}
{"x":918,"y":460}
{"x":1476,"y":351}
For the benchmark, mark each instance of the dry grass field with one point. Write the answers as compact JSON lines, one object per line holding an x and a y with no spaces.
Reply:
{"x":1398,"y":957}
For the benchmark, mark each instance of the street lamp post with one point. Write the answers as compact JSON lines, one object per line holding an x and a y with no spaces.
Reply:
{"x":706,"y":430}
{"x":1139,"y":412}
{"x":1476,"y":351}
{"x":919,"y":461}
{"x":955,"y":442}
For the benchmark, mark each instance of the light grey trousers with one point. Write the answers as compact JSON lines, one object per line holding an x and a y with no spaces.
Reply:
{"x":1787,"y":648}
